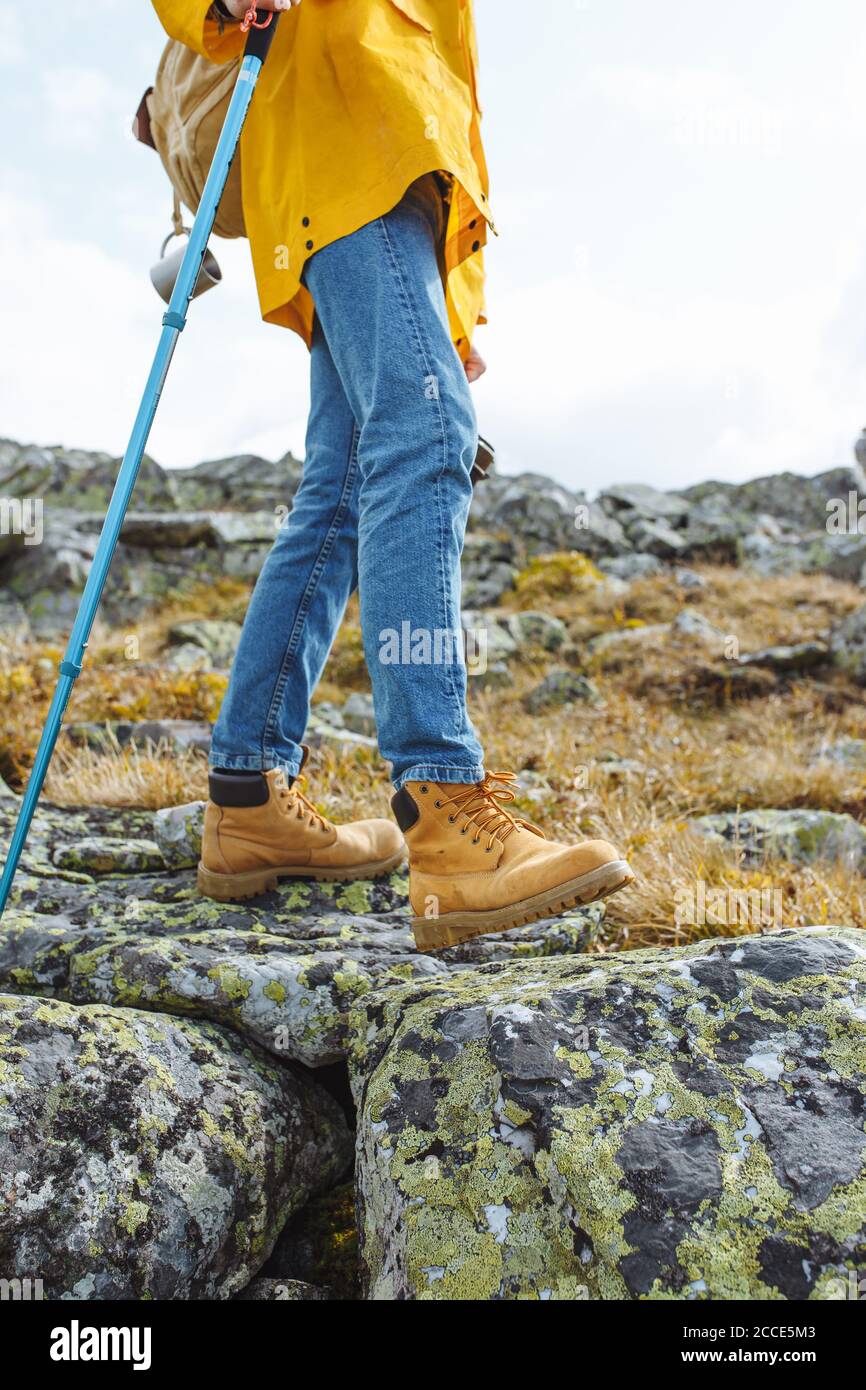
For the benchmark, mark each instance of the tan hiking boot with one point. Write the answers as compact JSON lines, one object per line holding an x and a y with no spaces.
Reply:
{"x":475,"y":868}
{"x":258,"y":829}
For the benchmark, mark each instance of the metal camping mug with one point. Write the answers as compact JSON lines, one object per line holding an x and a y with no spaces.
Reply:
{"x":165,"y":272}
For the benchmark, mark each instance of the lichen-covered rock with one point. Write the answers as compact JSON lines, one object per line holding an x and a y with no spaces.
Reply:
{"x":530,"y":629}
{"x":243,"y":482}
{"x":282,"y":970}
{"x":149,"y":1157}
{"x":289,"y":993}
{"x":488,"y":569}
{"x":630,"y":501}
{"x":210,"y":640}
{"x":177,"y":831}
{"x":104,"y":855}
{"x":282,"y":976}
{"x":496,"y":676}
{"x":848,"y":645}
{"x":666,"y":1123}
{"x":75,"y":478}
{"x":543,"y":516}
{"x":488,"y":638}
{"x":847,"y":752}
{"x":627,"y":568}
{"x":561,"y":687}
{"x":800,"y":834}
{"x":656,"y":538}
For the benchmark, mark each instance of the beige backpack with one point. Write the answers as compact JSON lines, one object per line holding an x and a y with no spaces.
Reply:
{"x":181,"y":116}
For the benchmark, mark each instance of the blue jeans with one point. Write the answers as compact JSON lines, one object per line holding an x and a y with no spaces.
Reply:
{"x":382,"y":506}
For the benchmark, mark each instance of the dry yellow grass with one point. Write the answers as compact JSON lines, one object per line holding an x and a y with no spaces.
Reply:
{"x":695,"y":756}
{"x":125,"y":777}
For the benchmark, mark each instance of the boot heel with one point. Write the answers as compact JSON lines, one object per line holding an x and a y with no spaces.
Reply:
{"x":434,"y":936}
{"x":228,"y":888}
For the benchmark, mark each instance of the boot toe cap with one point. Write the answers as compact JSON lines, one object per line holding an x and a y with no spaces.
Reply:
{"x":367,"y":842}
{"x":386,"y":838}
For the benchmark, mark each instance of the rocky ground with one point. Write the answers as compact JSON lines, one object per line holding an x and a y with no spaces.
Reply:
{"x":281,"y":1100}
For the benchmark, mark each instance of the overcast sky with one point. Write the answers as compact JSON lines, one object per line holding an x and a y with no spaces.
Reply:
{"x":678,"y":291}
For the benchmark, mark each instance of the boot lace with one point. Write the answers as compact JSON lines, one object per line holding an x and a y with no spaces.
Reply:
{"x":294,"y":796}
{"x":482,"y":805}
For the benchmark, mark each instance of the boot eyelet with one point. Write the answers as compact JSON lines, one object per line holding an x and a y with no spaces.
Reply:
{"x":489,"y":849}
{"x":437,"y":803}
{"x":423,"y":790}
{"x":452,"y":820}
{"x":465,"y":830}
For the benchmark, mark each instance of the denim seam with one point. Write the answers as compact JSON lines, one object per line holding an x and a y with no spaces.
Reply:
{"x":307,"y":597}
{"x":440,"y":549}
{"x":247,"y":762}
{"x":440,"y":772}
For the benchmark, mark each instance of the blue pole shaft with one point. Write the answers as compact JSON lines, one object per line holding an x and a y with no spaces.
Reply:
{"x":173,"y":324}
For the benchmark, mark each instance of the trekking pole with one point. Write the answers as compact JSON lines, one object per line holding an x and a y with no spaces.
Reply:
{"x":256,"y":50}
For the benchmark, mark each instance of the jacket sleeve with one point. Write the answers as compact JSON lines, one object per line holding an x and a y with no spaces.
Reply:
{"x":187,"y":20}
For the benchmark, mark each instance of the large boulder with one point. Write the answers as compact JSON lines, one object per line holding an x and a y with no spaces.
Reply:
{"x":804,"y":503}
{"x":76,"y":479}
{"x":629,"y":501}
{"x":243,"y":482}
{"x":671,"y":1123}
{"x":101,"y":925}
{"x":47,"y":579}
{"x":149,"y":1157}
{"x":543,"y":516}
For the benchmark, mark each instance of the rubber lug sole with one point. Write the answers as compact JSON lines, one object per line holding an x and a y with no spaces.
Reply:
{"x":230,"y":888}
{"x":434,"y":934}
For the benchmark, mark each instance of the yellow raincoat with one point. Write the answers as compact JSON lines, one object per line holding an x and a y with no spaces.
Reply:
{"x":357,"y":99}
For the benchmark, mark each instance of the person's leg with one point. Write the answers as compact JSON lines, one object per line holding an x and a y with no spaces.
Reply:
{"x":380,"y":301}
{"x":474,"y":867}
{"x":258,"y":825}
{"x":301,"y":593}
